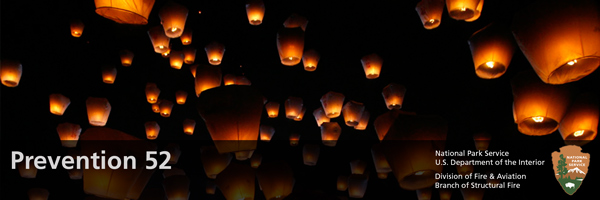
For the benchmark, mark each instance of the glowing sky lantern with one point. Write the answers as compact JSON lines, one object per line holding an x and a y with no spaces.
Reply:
{"x":125,"y":11}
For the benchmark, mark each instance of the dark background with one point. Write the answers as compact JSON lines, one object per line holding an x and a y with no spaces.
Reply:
{"x":435,"y":66}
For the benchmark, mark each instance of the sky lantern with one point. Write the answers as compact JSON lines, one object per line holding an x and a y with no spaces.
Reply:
{"x":228,"y":79}
{"x":310,"y":59}
{"x":188,"y":126}
{"x":330,"y":133}
{"x":320,"y":116}
{"x":352,"y":112}
{"x":293,"y":107}
{"x":560,"y":39}
{"x":295,"y":20}
{"x":25,"y":172}
{"x":381,"y":163}
{"x":255,"y":160}
{"x":538,"y":107}
{"x":310,"y":154}
{"x":176,"y":59}
{"x":294,"y":138}
{"x":193,"y":70}
{"x":242,"y":80}
{"x":189,"y":55}
{"x":482,"y":140}
{"x":462,"y":9}
{"x":177,"y":187}
{"x":172,"y":17}
{"x":159,"y":40}
{"x":38,"y":194}
{"x":181,"y":97}
{"x":68,"y":134}
{"x":10,"y":73}
{"x":211,"y":187}
{"x":255,"y":9}
{"x":393,"y":94}
{"x":126,"y":57}
{"x":372,"y":65}
{"x":445,"y":194}
{"x":384,"y":121}
{"x":472,"y":193}
{"x":214,"y":52}
{"x":476,"y":12}
{"x":152,"y":93}
{"x":300,"y":115}
{"x":492,"y":49}
{"x":276,"y":179}
{"x":464,"y":169}
{"x":98,"y":110}
{"x":213,"y":161}
{"x":290,"y":44}
{"x":332,"y":103}
{"x":580,"y":124}
{"x":167,"y":52}
{"x":272,"y":109}
{"x":125,"y":11}
{"x":424,"y":194}
{"x":186,"y":36}
{"x":207,"y":77}
{"x":237,"y":182}
{"x":357,"y":185}
{"x":165,"y":107}
{"x":364,"y":121}
{"x":430,"y":12}
{"x":266,"y":132}
{"x":232,"y":116}
{"x":109,"y":74}
{"x":342,"y":183}
{"x":156,"y":107}
{"x":175,"y":151}
{"x":152,"y":130}
{"x":58,"y":104}
{"x":77,"y":28}
{"x":382,"y":175}
{"x":358,"y":166}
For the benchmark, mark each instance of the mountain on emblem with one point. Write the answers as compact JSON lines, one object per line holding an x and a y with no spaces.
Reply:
{"x":570,"y":167}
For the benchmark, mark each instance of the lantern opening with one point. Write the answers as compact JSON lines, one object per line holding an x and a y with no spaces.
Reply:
{"x":537,"y":119}
{"x":578,"y":133}
{"x":538,"y":125}
{"x":575,"y":69}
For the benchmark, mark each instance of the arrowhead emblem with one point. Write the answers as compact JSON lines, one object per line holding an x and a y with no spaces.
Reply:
{"x":570,"y":167}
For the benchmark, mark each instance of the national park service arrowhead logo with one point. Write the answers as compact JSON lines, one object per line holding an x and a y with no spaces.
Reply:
{"x":570,"y":167}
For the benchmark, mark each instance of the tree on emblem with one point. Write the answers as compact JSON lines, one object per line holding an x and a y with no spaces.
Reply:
{"x":562,"y":166}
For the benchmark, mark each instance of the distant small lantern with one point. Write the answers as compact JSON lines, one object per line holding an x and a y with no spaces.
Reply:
{"x":357,"y":185}
{"x":320,"y":116}
{"x":77,"y":28}
{"x":300,"y":115}
{"x":310,"y":154}
{"x":26,"y":172}
{"x":167,"y":52}
{"x":364,"y":121}
{"x":10,"y":73}
{"x":492,"y":49}
{"x":272,"y":109}
{"x":126,"y":57}
{"x":255,"y":160}
{"x":207,"y":77}
{"x":295,"y":20}
{"x":560,"y":39}
{"x":379,"y":160}
{"x":188,"y":126}
{"x":372,"y":65}
{"x":358,"y":166}
{"x":58,"y":104}
{"x":445,"y":194}
{"x":424,"y":194}
{"x":186,"y":36}
{"x":472,"y":193}
{"x":342,"y":183}
{"x":173,"y":16}
{"x":177,"y":187}
{"x":464,"y":169}
{"x":166,"y":107}
{"x":109,"y":74}
{"x":461,"y":9}
{"x":266,"y":132}
{"x":176,"y":59}
{"x":213,"y":161}
{"x":38,"y":194}
{"x":430,"y":12}
{"x":152,"y":130}
{"x":98,"y":110}
{"x":293,"y":107}
{"x":211,"y":187}
{"x":255,"y":9}
{"x":476,"y":12}
{"x":229,"y":79}
{"x":242,"y":80}
{"x":175,"y":152}
{"x":159,"y":40}
{"x":482,"y":140}
{"x":75,"y":174}
{"x":330,"y":133}
{"x":384,"y":122}
{"x":290,"y":44}
{"x":181,"y":97}
{"x":382,"y":175}
{"x":393,"y":94}
{"x":276,"y":180}
{"x":189,"y":55}
{"x":125,"y":12}
{"x":152,"y":93}
{"x":294,"y":138}
{"x":310,"y":59}
{"x":156,"y":107}
{"x":538,"y":108}
{"x":68,"y":134}
{"x":332,"y":103}
{"x":214,"y":52}
{"x":193,"y":70}
{"x":352,"y":112}
{"x":580,"y":124}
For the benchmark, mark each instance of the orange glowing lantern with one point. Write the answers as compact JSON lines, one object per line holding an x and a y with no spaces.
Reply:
{"x":188,"y":126}
{"x":175,"y":152}
{"x":342,"y":183}
{"x":186,"y":36}
{"x":472,"y":193}
{"x":255,"y":9}
{"x":165,"y":107}
{"x":382,"y":175}
{"x":492,"y":48}
{"x":310,"y":59}
{"x":372,"y":65}
{"x":38,"y":194}
{"x":255,"y":160}
{"x":364,"y":121}
{"x":560,"y":39}
{"x":243,"y":155}
{"x":424,"y":194}
{"x":207,"y":77}
{"x":237,"y":182}
{"x":189,"y":55}
{"x":214,"y":162}
{"x":580,"y":124}
{"x":266,"y":133}
{"x":193,"y":70}
{"x":214,"y":52}
{"x":295,"y":20}
{"x":177,"y":187}
{"x":358,"y":166}
{"x":393,"y":94}
{"x":176,"y":59}
{"x":538,"y":108}
{"x":173,"y":16}
{"x":330,"y":132}
{"x":58,"y":104}
{"x":126,"y":57}
{"x":167,"y":52}
{"x":290,"y":44}
{"x":320,"y":116}
{"x":357,"y":185}
{"x":381,"y":163}
{"x":109,"y":74}
{"x":211,"y":187}
{"x":332,"y":103}
{"x":384,"y":122}
{"x":125,"y":11}
{"x":293,"y":107}
{"x":229,"y":79}
{"x":98,"y":110}
{"x":27,"y":169}
{"x":156,"y":107}
{"x":77,"y":28}
{"x":152,"y":130}
{"x":445,"y":194}
{"x":482,"y":140}
{"x":352,"y":112}
{"x":476,"y":12}
{"x":300,"y":115}
{"x":310,"y":154}
{"x":10,"y":73}
{"x":69,"y":134}
{"x":159,"y":40}
{"x":152,"y":93}
{"x":272,"y":109}
{"x":462,"y":9}
{"x":181,"y":97}
{"x":464,"y":169}
{"x":276,"y":180}
{"x":294,"y":138}
{"x":430,"y":12}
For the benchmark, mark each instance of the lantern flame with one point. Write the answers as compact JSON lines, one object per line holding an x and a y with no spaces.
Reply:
{"x":538,"y":119}
{"x":490,"y":64}
{"x":578,"y":133}
{"x":572,"y":62}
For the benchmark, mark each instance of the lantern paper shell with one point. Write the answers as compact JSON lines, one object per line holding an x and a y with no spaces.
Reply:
{"x":295,"y":20}
{"x":27,"y":169}
{"x":294,"y":138}
{"x":393,"y":94}
{"x":272,"y":109}
{"x":232,"y":116}
{"x":152,"y":130}
{"x":310,"y":154}
{"x":332,"y":103}
{"x":181,"y":97}
{"x":477,"y":12}
{"x":165,"y":107}
{"x":188,"y":126}
{"x":38,"y":194}
{"x":176,"y":59}
{"x":382,"y":175}
{"x":10,"y":73}
{"x":358,"y":166}
{"x":156,"y":108}
{"x":430,"y":12}
{"x":193,"y":70}
{"x":173,"y":16}
{"x":482,"y":140}
{"x":237,"y":182}
{"x":77,"y":28}
{"x":214,"y":162}
{"x":538,"y":108}
{"x":177,"y":187}
{"x":342,"y":183}
{"x":167,"y":52}
{"x":330,"y":133}
{"x":357,"y":185}
{"x":372,"y":65}
{"x":58,"y":104}
{"x":445,"y":194}
{"x":492,"y":48}
{"x":464,"y":169}
{"x":189,"y":55}
{"x":214,"y":53}
{"x":276,"y":179}
{"x":211,"y":187}
{"x":310,"y":59}
{"x":255,"y":9}
{"x":461,"y":9}
{"x":69,"y":134}
{"x":229,"y":79}
{"x":186,"y":36}
{"x":266,"y":132}
{"x":255,"y":160}
{"x":207,"y":77}
{"x":320,"y":116}
{"x":353,"y":112}
{"x":381,"y":163}
{"x":98,"y":110}
{"x":242,"y":80}
{"x":472,"y":193}
{"x":125,"y":12}
{"x":364,"y":121}
{"x":290,"y":44}
{"x":152,"y":93}
{"x":126,"y":57}
{"x":384,"y":122}
{"x":580,"y":124}
{"x":109,"y":74}
{"x":300,"y":115}
{"x":560,"y":39}
{"x":244,"y":155}
{"x":293,"y":107}
{"x":424,"y":194}
{"x":159,"y":40}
